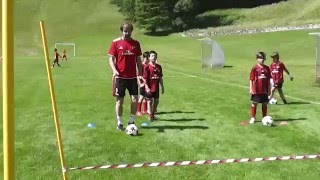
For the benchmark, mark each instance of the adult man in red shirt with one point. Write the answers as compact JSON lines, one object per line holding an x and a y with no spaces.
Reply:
{"x":259,"y":86}
{"x":124,"y":58}
{"x":277,"y":67}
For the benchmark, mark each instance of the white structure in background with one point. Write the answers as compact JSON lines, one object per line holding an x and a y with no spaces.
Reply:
{"x":212,"y":54}
{"x":67,"y":44}
{"x":317,"y":34}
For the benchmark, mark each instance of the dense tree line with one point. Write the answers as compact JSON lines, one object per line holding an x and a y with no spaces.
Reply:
{"x":165,"y":15}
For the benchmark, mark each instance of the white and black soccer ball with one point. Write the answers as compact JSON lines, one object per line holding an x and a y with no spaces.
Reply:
{"x":132,"y":130}
{"x":273,"y":101}
{"x":267,"y":121}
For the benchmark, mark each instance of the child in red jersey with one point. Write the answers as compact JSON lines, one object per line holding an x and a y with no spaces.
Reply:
{"x":142,"y":100}
{"x":259,"y":86}
{"x":56,"y":57}
{"x":64,"y":55}
{"x":153,"y":76}
{"x":277,"y":67}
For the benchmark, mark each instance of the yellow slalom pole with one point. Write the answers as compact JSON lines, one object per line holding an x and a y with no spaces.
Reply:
{"x":8,"y":90}
{"x":53,"y":99}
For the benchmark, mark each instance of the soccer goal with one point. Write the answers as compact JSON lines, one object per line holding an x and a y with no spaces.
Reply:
{"x":317,"y":35}
{"x":68,"y":46}
{"x":212,"y":54}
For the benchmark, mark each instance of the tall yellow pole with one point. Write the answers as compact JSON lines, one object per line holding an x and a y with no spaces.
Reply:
{"x":8,"y":89}
{"x":53,"y":99}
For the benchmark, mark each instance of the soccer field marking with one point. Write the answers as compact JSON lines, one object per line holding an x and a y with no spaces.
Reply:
{"x":241,"y":86}
{"x":200,"y":162}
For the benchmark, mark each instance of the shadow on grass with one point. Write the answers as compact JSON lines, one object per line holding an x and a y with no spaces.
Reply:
{"x":214,"y":20}
{"x":139,"y":134}
{"x":295,"y":103}
{"x":163,"y":128}
{"x":159,"y":34}
{"x":200,"y":22}
{"x":289,"y":119}
{"x":226,"y":66}
{"x":174,"y":112}
{"x":183,"y":119}
{"x":286,"y":119}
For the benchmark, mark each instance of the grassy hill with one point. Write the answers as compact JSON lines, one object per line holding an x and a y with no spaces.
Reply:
{"x":291,"y":12}
{"x":200,"y":111}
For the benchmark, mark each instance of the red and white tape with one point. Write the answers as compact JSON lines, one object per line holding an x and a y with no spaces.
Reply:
{"x":201,"y":162}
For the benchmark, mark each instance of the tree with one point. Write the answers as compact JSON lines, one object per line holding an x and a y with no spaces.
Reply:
{"x":184,"y":12}
{"x":152,"y":15}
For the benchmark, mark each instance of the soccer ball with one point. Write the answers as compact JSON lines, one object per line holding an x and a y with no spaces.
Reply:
{"x":267,"y":121}
{"x":273,"y":101}
{"x":132,"y":130}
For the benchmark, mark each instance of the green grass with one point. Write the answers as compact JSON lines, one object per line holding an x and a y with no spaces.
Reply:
{"x":207,"y":126}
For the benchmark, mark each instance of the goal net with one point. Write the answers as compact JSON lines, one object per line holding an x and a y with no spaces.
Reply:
{"x":69,"y":47}
{"x":212,"y":54}
{"x":317,"y":35}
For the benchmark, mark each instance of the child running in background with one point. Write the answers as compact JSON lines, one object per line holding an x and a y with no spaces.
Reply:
{"x":277,"y":67}
{"x":64,"y":55}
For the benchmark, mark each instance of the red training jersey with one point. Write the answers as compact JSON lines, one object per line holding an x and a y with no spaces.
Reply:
{"x":276,"y":69}
{"x":125,"y":52}
{"x":260,"y":77}
{"x":152,"y":75}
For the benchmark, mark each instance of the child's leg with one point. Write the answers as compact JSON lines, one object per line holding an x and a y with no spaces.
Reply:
{"x":139,"y":103}
{"x":150,"y":107}
{"x":264,"y":109}
{"x":253,"y":110}
{"x":282,"y":95}
{"x":273,"y":89}
{"x":54,"y":62}
{"x":145,"y":107}
{"x":155,"y":105}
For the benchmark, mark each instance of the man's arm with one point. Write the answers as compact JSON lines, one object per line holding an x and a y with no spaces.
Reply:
{"x":139,"y":65}
{"x":112,"y":61}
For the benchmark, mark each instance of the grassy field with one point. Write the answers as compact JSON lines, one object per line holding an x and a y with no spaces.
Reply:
{"x":199,"y":113}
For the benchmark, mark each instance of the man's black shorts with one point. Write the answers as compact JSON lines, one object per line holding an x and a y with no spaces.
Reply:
{"x":123,"y":84}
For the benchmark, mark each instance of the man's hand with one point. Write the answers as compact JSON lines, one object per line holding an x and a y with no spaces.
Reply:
{"x":115,"y":73}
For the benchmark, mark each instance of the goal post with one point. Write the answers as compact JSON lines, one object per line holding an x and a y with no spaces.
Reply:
{"x":212,"y":54}
{"x":66,"y":44}
{"x":317,"y":64}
